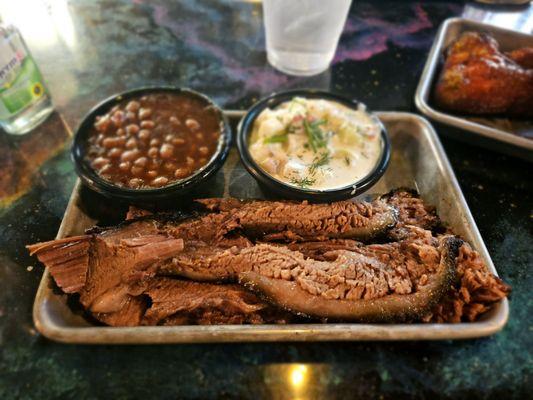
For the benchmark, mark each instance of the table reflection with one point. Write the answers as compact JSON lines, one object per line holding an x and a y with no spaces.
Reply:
{"x":297,"y":381}
{"x":518,"y":18}
{"x":22,"y":157}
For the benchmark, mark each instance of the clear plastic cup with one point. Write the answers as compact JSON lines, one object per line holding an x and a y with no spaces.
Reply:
{"x":302,"y":35}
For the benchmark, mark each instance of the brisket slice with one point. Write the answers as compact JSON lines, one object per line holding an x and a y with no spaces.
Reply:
{"x":413,"y":215}
{"x":185,"y":302}
{"x":114,"y":277}
{"x":130,"y":314}
{"x":96,"y":265}
{"x":392,"y":307}
{"x":293,"y":221}
{"x":166,"y":301}
{"x":412,"y":210}
{"x":318,"y":249}
{"x":332,"y":269}
{"x":67,"y":260}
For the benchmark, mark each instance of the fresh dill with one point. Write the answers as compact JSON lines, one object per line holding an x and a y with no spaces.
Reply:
{"x":309,"y":180}
{"x":315,"y":136}
{"x":347,"y":160}
{"x":304,"y":182}
{"x":319,"y":161}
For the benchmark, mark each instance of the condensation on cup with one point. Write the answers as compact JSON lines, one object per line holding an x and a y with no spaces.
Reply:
{"x":302,"y":35}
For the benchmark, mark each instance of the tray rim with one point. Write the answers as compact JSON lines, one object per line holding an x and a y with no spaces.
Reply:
{"x":287,"y":333}
{"x":427,"y":77}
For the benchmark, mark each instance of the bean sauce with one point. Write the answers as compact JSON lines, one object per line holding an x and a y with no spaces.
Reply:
{"x":153,"y":140}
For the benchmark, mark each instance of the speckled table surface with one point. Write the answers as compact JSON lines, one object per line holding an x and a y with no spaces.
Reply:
{"x":90,"y":50}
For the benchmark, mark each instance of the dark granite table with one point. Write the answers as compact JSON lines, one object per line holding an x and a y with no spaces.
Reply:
{"x":90,"y":50}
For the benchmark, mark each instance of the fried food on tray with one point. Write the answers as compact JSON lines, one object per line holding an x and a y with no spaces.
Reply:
{"x":523,"y":57}
{"x":478,"y":78}
{"x":225,"y":266}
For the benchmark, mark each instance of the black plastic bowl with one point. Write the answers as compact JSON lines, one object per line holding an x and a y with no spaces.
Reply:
{"x":148,"y":196}
{"x":283,"y":189}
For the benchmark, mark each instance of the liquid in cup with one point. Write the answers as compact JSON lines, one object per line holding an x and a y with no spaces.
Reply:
{"x":24,"y":99}
{"x":302,"y":35}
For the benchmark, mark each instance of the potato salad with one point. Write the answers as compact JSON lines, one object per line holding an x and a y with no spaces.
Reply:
{"x":316,"y":144}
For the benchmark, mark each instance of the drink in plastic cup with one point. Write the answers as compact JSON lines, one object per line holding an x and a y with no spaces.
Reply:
{"x":302,"y":35}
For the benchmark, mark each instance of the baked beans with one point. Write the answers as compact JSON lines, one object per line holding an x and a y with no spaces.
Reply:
{"x":153,"y":140}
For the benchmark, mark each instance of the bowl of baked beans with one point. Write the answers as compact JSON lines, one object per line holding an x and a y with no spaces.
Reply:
{"x":151,"y":143}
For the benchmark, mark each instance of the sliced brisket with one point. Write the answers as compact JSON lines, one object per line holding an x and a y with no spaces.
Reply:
{"x":96,"y":265}
{"x":361,"y":273}
{"x":412,"y":210}
{"x":282,"y":220}
{"x":175,"y":301}
{"x":392,"y":307}
{"x":121,"y":273}
{"x":67,"y":260}
{"x":166,"y":301}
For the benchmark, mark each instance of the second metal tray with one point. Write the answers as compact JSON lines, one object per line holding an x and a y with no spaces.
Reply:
{"x":499,"y":134}
{"x":418,"y":161}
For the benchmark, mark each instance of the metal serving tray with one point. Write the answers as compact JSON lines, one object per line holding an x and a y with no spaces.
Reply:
{"x":500,"y":134}
{"x":418,"y":161}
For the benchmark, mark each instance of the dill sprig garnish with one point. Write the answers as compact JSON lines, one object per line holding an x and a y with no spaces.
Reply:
{"x":315,"y":136}
{"x":347,"y":160}
{"x":319,"y":161}
{"x":309,"y":180}
{"x":304,"y":182}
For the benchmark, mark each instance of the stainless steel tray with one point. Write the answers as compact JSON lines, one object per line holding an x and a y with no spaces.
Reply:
{"x":418,"y":161}
{"x":500,"y":134}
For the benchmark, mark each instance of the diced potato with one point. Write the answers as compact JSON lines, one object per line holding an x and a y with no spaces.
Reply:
{"x":270,"y":165}
{"x":294,"y":168}
{"x":295,"y":143}
{"x":345,"y":153}
{"x":270,"y":127}
{"x":350,"y":135}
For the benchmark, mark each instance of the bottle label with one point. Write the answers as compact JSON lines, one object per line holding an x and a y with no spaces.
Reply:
{"x":20,"y":79}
